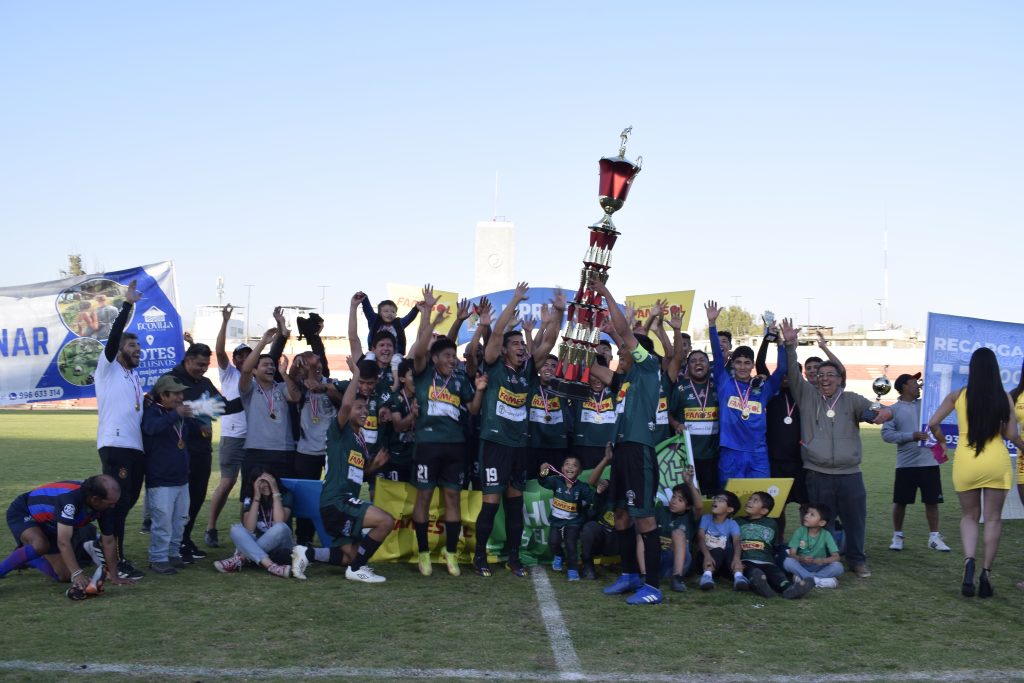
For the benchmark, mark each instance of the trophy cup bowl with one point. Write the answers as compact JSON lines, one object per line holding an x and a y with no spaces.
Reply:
{"x":881,"y":386}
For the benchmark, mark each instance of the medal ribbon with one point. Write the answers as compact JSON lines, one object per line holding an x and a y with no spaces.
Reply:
{"x":314,"y":407}
{"x":434,"y":393}
{"x":552,"y":468}
{"x":832,"y":405}
{"x":179,"y":429}
{"x":744,"y":396}
{"x":707,"y":390}
{"x":269,"y":398}
{"x":133,"y":379}
{"x":544,"y":397}
{"x":789,"y":408}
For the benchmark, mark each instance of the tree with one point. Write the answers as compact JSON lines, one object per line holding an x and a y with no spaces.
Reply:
{"x":738,"y":321}
{"x":74,"y":266}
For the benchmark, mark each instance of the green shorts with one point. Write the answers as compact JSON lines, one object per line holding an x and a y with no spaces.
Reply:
{"x":344,"y":522}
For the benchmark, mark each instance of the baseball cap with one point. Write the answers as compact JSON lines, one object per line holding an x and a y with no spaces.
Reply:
{"x":904,"y":378}
{"x":240,"y":348}
{"x":167,"y":383}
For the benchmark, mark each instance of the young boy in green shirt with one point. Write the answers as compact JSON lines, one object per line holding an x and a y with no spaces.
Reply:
{"x":813,"y":553}
{"x":676,"y":525}
{"x":567,"y":504}
{"x":757,"y":551}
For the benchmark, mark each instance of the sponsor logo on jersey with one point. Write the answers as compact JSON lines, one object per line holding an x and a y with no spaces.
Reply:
{"x":68,"y":512}
{"x":591,"y":404}
{"x":698,"y":414}
{"x":371,"y":423}
{"x":563,"y":505}
{"x":445,"y":396}
{"x":356,"y":458}
{"x":538,"y":402}
{"x":753,"y":406}
{"x":516,"y":400}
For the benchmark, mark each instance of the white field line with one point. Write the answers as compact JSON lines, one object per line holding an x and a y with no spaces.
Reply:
{"x":566,"y":659}
{"x":399,"y":673}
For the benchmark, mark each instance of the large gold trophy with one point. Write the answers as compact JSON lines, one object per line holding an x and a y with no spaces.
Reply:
{"x":587,"y":311}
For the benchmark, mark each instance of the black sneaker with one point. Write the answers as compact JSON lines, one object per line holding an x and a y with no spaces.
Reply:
{"x":588,"y":571}
{"x":190,"y":548}
{"x":760,"y":583}
{"x":211,"y":539}
{"x":164,"y":568}
{"x":677,"y":584}
{"x":127,"y":570}
{"x":147,"y":526}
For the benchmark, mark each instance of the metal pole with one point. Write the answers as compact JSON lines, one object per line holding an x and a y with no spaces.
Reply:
{"x":248,"y":310}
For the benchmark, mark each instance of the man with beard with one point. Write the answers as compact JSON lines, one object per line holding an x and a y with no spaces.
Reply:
{"x":504,"y":439}
{"x":693,"y":407}
{"x":119,"y":399}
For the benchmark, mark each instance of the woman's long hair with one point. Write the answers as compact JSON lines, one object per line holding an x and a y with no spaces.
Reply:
{"x":1019,"y":389}
{"x":987,"y":408}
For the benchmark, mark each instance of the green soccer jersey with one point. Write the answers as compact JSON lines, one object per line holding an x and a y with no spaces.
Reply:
{"x":603,"y":510}
{"x":548,"y":416}
{"x":345,"y":464}
{"x":662,"y":430}
{"x":757,"y":539}
{"x":818,"y":547}
{"x":441,"y":400}
{"x":695,"y":404}
{"x":567,"y":503}
{"x":595,"y":419}
{"x":400,"y":445}
{"x":504,"y":409}
{"x":637,"y":402}
{"x":668,"y":522}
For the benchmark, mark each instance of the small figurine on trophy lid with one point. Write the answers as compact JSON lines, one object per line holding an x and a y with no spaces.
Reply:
{"x":586,"y":312}
{"x":881,"y":386}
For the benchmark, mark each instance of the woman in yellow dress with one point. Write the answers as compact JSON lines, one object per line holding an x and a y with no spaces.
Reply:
{"x":981,"y":462}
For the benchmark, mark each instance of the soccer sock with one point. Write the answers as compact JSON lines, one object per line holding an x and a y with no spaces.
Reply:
{"x":627,"y":550}
{"x":652,"y":558}
{"x":40,"y":564}
{"x":484,"y":526}
{"x":318,"y":554}
{"x":421,"y":536}
{"x":367,"y":547}
{"x":514,"y":526}
{"x":453,"y":531}
{"x":19,"y":558}
{"x":335,"y":556}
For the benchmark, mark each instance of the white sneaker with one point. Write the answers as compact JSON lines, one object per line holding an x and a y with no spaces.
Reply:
{"x":95,"y":552}
{"x":830,"y":582}
{"x":366,"y":575}
{"x":936,"y":542}
{"x":897,"y":542}
{"x":299,"y":562}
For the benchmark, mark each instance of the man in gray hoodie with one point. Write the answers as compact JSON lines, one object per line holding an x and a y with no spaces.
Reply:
{"x":830,"y":420}
{"x":916,"y":467}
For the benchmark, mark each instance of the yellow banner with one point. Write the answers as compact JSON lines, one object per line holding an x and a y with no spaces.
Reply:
{"x":777,"y":487}
{"x":677,"y":301}
{"x":397,"y":499}
{"x":406,"y":297}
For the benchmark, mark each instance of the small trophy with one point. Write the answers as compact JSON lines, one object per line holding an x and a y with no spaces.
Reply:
{"x":587,"y":310}
{"x":881,"y":386}
{"x":769,"y":322}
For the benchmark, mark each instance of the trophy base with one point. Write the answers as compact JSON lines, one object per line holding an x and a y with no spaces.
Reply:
{"x":567,"y":389}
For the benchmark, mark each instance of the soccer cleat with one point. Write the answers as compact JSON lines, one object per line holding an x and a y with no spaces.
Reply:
{"x":740,"y":583}
{"x":229,"y":565}
{"x":677,"y":584}
{"x":829,"y":582}
{"x":282,"y":570}
{"x":299,"y":562}
{"x":936,"y":542}
{"x":517,"y":568}
{"x":760,"y":584}
{"x":424,"y":564}
{"x":211,"y":539}
{"x":556,"y":563}
{"x":588,"y":571}
{"x":481,"y":567}
{"x":164,"y":568}
{"x":364,"y":574}
{"x":573,"y":575}
{"x":451,"y":560}
{"x":127,"y":570}
{"x":645,"y":596}
{"x":707,"y":582}
{"x":798,"y":589}
{"x":75,"y":593}
{"x":897,"y":542}
{"x":626,"y":583}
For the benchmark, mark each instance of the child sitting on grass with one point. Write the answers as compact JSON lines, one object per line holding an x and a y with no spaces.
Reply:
{"x":676,"y":523}
{"x":570,"y":497}
{"x":719,"y":540}
{"x":757,"y":551}
{"x":813,"y":553}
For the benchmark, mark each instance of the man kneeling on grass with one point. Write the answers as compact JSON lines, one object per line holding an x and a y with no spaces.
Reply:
{"x":344,"y":514}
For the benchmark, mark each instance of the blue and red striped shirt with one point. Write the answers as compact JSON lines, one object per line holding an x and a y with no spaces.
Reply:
{"x":63,"y":502}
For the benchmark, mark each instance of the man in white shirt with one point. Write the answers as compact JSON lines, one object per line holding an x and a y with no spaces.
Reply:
{"x":119,"y":396}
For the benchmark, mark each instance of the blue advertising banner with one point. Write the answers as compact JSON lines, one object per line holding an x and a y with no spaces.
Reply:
{"x":951,"y":341}
{"x":52,"y":333}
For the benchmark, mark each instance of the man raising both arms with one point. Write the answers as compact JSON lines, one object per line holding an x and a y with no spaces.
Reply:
{"x":504,"y":448}
{"x":634,"y":480}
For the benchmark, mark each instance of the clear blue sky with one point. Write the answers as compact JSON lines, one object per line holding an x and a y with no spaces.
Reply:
{"x":292,"y":145}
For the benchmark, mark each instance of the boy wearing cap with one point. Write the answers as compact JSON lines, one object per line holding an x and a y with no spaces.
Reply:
{"x":164,"y":436}
{"x":916,"y":467}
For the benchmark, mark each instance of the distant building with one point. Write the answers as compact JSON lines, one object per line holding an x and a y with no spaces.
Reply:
{"x":494,"y":256}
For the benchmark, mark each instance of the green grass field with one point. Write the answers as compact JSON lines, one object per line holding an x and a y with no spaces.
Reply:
{"x":907,"y":618}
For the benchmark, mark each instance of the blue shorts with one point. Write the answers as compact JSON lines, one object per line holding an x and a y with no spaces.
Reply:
{"x":19,"y":519}
{"x":733,"y":464}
